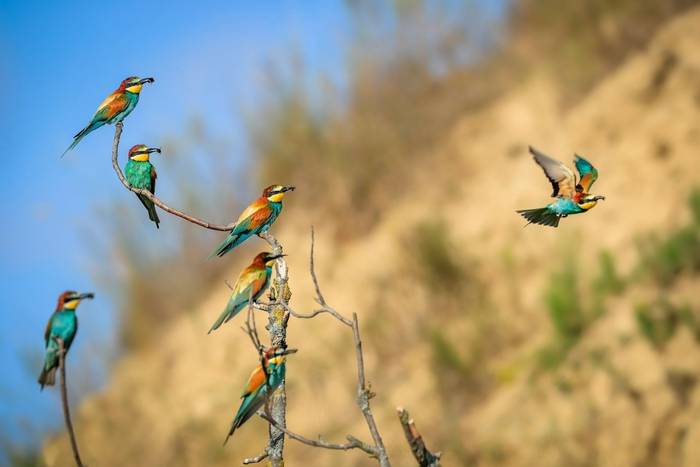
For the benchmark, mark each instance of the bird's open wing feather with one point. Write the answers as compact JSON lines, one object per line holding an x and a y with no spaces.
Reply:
{"x":559,"y":175}
{"x":587,"y":173}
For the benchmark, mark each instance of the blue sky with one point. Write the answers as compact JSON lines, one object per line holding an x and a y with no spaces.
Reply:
{"x":58,"y":60}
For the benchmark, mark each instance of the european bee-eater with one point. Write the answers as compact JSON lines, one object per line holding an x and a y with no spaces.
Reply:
{"x":256,"y":219}
{"x":140,"y":173}
{"x":115,"y":108}
{"x":261,"y":383}
{"x":572,"y":197}
{"x":63,"y":324}
{"x":252,"y":282}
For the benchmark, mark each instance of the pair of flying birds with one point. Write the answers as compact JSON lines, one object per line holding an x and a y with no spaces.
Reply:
{"x":572,"y":197}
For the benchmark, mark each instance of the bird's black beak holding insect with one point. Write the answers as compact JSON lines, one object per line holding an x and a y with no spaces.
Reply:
{"x":86,"y":295}
{"x":146,"y":80}
{"x":152,"y":150}
{"x":288,"y":188}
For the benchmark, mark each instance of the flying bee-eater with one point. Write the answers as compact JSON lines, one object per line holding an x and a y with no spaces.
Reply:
{"x":63,"y":324}
{"x":115,"y":108}
{"x":263,"y":381}
{"x":140,"y":173}
{"x":572,"y":196}
{"x":251,"y":283}
{"x":256,"y":218}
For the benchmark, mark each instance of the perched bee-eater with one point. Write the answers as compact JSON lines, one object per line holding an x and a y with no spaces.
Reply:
{"x":256,"y":219}
{"x":140,"y":173}
{"x":262,"y":382}
{"x":252,"y":282}
{"x":115,"y":108}
{"x":63,"y":324}
{"x":572,"y":197}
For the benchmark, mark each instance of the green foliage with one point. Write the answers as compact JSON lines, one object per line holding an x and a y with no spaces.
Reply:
{"x":658,"y":321}
{"x":21,"y":456}
{"x":666,"y":258}
{"x":563,"y":302}
{"x":445,"y":354}
{"x":608,"y":281}
{"x":439,"y":263}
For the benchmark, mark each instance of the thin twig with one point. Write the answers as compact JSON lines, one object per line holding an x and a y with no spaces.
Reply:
{"x":64,"y":400}
{"x":353,"y":443}
{"x":151,"y":196}
{"x":256,"y":459}
{"x":364,"y":394}
{"x":422,"y":454}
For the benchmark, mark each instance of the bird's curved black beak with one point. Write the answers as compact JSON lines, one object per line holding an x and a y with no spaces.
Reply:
{"x":285,"y":352}
{"x":281,"y":255}
{"x":86,"y":295}
{"x":599,"y":197}
{"x":288,"y":188}
{"x":146,"y":80}
{"x":152,"y":150}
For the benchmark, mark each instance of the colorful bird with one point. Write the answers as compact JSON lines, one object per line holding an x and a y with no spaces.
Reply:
{"x":63,"y":324}
{"x":115,"y":108}
{"x":256,"y":219}
{"x":261,"y":383}
{"x":140,"y":173}
{"x":252,"y":282}
{"x":571,"y":197}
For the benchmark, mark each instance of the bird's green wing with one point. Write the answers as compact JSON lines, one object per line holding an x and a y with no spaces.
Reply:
{"x":559,"y":175}
{"x":587,"y":173}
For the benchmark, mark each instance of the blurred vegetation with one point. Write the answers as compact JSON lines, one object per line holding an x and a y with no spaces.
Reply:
{"x":412,"y":69}
{"x":665,"y":258}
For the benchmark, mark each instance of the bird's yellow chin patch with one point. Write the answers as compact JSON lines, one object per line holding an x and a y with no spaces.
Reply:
{"x":71,"y":305}
{"x":140,"y":157}
{"x":277,"y":360}
{"x":135,"y":89}
{"x":588,"y":205}
{"x":270,"y":263}
{"x":276,"y":198}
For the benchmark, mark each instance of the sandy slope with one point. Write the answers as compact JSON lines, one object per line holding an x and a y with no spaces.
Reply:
{"x":171,"y":405}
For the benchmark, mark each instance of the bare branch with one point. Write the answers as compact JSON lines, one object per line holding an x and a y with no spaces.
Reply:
{"x":424,"y":457}
{"x":319,"y":296}
{"x":64,"y":400}
{"x":353,"y":443}
{"x":256,"y":459}
{"x":115,"y":163}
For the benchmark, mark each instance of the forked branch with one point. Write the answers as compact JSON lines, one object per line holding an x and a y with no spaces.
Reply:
{"x":422,"y":454}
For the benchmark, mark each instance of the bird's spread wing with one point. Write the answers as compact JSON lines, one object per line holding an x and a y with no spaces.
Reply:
{"x":560,"y":176}
{"x":587,"y":173}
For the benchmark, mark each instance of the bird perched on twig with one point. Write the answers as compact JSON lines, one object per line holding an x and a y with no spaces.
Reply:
{"x":256,"y":218}
{"x":140,"y":173}
{"x":63,"y":324}
{"x":115,"y":108}
{"x":263,"y":381}
{"x":251,"y":283}
{"x":572,"y":197}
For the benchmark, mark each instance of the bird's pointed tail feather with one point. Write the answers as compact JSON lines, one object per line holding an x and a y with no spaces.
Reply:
{"x":541,"y":216}
{"x":47,"y":377}
{"x":151,"y":208}
{"x":82,"y":134}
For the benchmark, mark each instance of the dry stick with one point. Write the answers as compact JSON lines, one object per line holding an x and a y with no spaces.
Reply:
{"x":364,"y":394}
{"x":422,"y":454}
{"x":256,"y":459}
{"x":277,"y":328}
{"x":115,"y":163}
{"x":64,"y":400}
